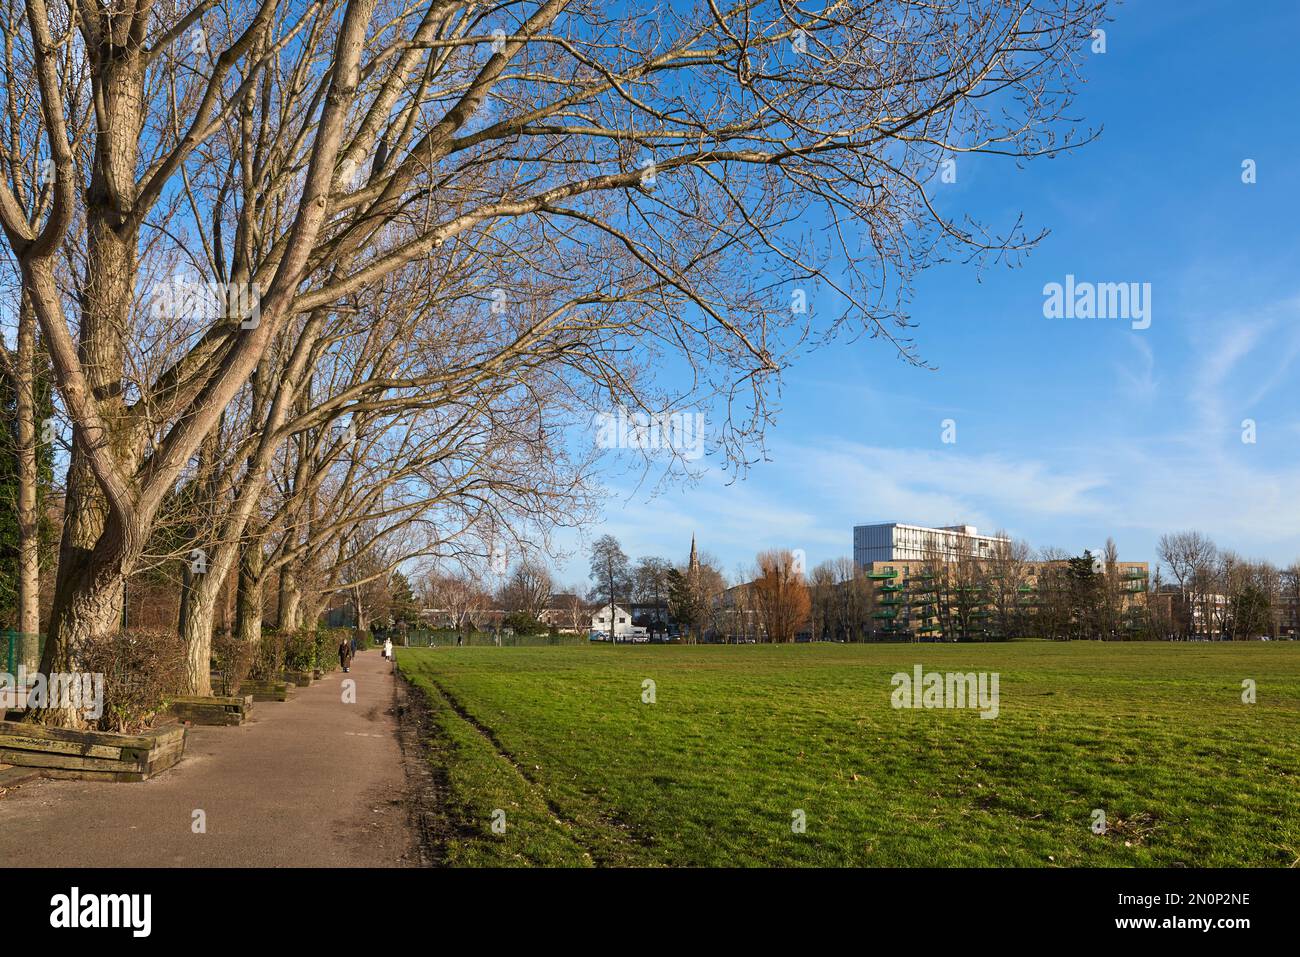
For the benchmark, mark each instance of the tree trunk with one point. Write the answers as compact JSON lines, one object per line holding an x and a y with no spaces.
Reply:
{"x":248,"y":599}
{"x":290,"y":614}
{"x":202,"y":598}
{"x":92,"y":609}
{"x":187,"y":588}
{"x":313,"y":611}
{"x":85,"y":586}
{"x":29,"y":544}
{"x":197,"y":629}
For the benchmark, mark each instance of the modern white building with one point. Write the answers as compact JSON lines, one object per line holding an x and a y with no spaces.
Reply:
{"x":898,"y":542}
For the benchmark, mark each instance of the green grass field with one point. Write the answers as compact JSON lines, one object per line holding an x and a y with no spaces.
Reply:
{"x":740,"y":737}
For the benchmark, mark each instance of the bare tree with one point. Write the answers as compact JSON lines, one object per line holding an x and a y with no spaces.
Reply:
{"x":605,"y":188}
{"x":842,"y":590}
{"x":1052,"y":595}
{"x":650,"y":586}
{"x":576,"y":612}
{"x":456,"y":595}
{"x":955,"y":589}
{"x":822,"y":600}
{"x":611,"y":576}
{"x":1009,"y":576}
{"x":781,"y":595}
{"x":1157,"y":612}
{"x":369,"y":561}
{"x":1289,"y":600}
{"x":1112,"y":593}
{"x":1191,"y":559}
{"x":1252,"y":596}
{"x":739,"y":615}
{"x":528,"y":589}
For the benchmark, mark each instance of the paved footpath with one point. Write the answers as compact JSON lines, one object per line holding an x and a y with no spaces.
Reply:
{"x":308,"y":782}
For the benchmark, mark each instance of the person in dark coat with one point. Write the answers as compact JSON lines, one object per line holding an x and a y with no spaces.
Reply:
{"x":345,"y":654}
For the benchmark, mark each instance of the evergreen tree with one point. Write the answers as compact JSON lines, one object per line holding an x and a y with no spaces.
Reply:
{"x":404,"y":606}
{"x":1085,"y":592}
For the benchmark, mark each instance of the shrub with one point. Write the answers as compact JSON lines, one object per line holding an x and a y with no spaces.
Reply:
{"x":232,"y":660}
{"x":300,"y":650}
{"x":522,"y":623}
{"x":268,"y":664}
{"x":327,"y":647}
{"x":141,"y":669}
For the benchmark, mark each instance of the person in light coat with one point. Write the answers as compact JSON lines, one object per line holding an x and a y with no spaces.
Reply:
{"x":388,"y":648}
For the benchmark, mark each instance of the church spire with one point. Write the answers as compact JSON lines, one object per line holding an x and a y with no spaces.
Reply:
{"x":694,"y":564}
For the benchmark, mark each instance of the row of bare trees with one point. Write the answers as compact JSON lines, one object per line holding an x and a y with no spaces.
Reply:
{"x":528,"y":595}
{"x":1216,"y":593}
{"x":459,"y":600}
{"x":1005,"y":592}
{"x":322,"y":283}
{"x":670,"y":594}
{"x":1011,"y":592}
{"x":770,"y":602}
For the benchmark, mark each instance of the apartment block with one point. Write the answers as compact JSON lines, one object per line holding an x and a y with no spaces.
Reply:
{"x":951,"y":582}
{"x":896,"y":541}
{"x":938,"y":601}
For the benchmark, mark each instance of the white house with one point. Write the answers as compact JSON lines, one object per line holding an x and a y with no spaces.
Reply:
{"x":617,"y":623}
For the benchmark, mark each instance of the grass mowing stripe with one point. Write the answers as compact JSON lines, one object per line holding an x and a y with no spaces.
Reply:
{"x":483,"y":778}
{"x":605,"y":846}
{"x":479,"y":781}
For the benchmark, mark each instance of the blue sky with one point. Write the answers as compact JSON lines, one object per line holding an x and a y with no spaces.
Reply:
{"x":1068,"y":430}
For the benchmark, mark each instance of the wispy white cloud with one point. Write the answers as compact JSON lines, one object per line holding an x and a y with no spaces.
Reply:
{"x":1139,"y":382}
{"x":812,"y":495}
{"x":945,"y":485}
{"x":1178,"y":464}
{"x":1237,"y":364}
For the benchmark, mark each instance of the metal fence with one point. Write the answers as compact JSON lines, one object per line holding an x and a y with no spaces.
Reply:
{"x":428,"y":638}
{"x":12,"y":644}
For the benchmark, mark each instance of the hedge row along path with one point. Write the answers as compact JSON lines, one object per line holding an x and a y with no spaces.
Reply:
{"x":310,"y":782}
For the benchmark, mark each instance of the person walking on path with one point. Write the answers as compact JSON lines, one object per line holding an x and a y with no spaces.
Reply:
{"x":345,"y":654}
{"x":388,"y":648}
